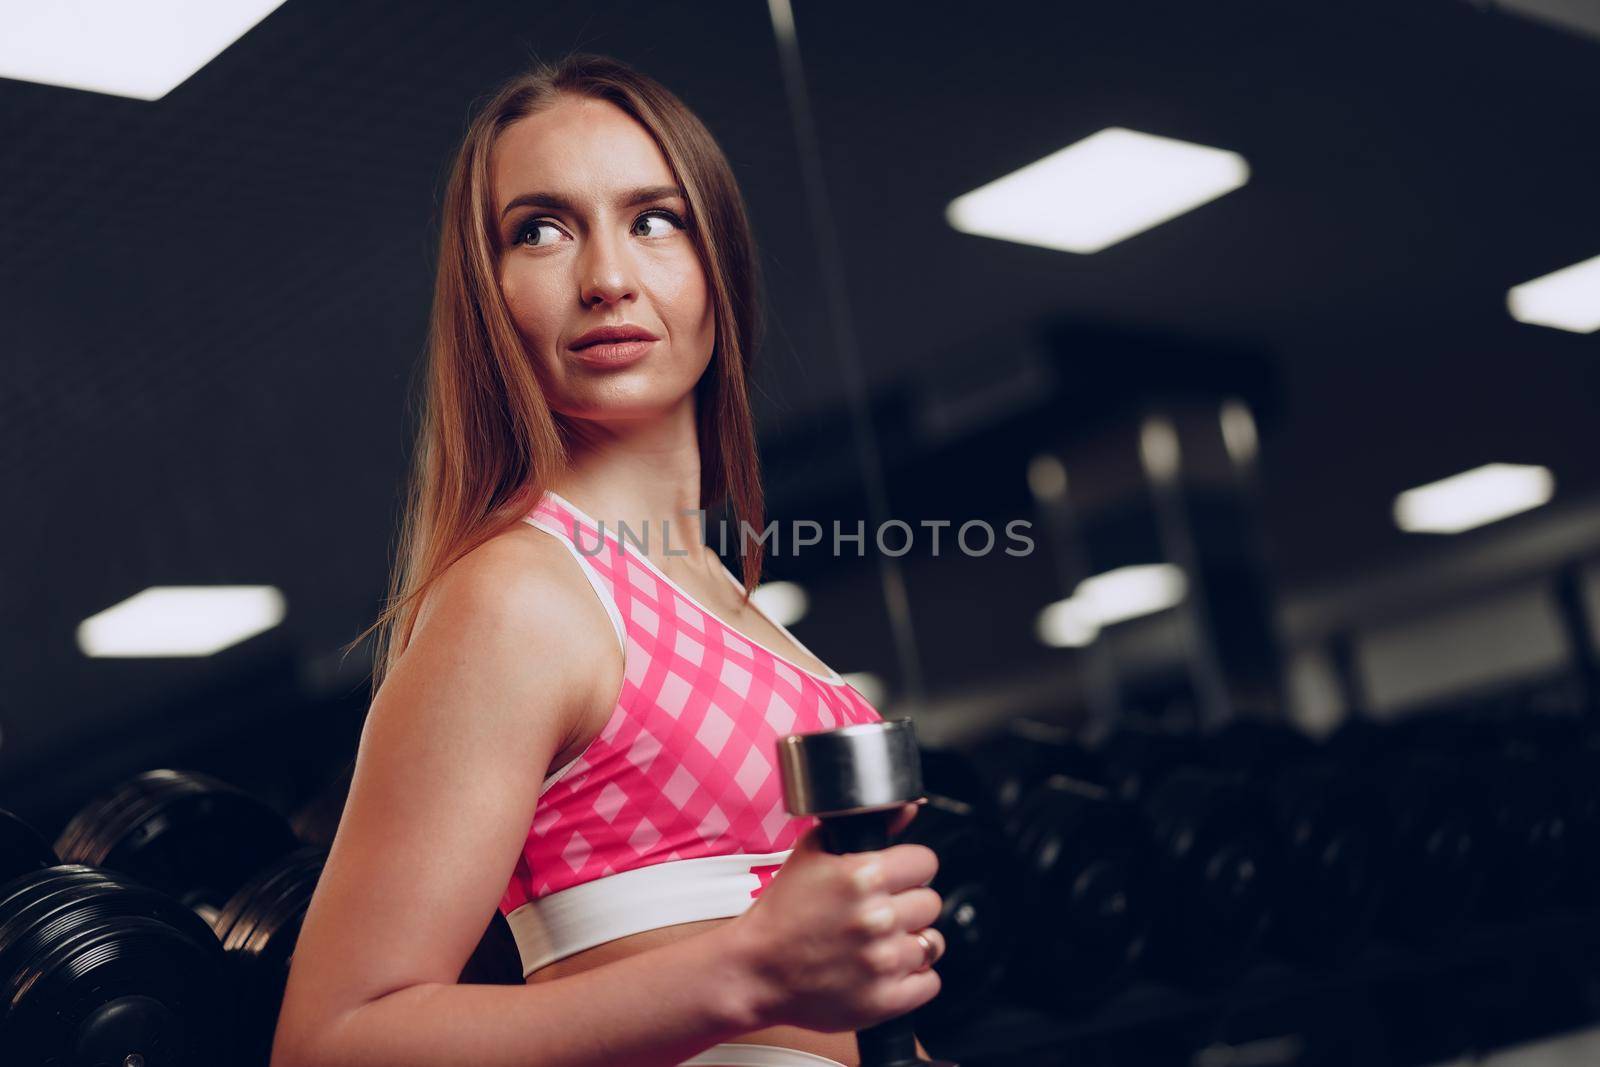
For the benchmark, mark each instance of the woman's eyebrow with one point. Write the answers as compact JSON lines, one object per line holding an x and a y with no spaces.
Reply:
{"x":630,"y":198}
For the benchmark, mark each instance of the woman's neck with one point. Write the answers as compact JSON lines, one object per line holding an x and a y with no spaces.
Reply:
{"x":642,"y":476}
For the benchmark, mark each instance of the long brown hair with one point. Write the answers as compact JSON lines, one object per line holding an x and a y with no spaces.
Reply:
{"x":487,"y":441}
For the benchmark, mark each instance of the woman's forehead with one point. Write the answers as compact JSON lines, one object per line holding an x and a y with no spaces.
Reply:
{"x":577,"y":150}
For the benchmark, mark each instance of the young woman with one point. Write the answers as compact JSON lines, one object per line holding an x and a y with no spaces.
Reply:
{"x":574,"y":727}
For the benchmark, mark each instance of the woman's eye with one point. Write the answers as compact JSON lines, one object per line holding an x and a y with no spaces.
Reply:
{"x":532,"y":226}
{"x":671,"y":222}
{"x":666,"y":220}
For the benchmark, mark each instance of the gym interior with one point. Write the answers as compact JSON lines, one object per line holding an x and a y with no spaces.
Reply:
{"x":1182,"y":414}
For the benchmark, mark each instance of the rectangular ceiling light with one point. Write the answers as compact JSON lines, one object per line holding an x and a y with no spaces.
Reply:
{"x":1129,"y":592}
{"x":173,"y":620}
{"x":1580,"y":16}
{"x":1065,"y":624}
{"x":1473,"y":498}
{"x":785,"y":603}
{"x":137,"y":48}
{"x":1109,"y":598}
{"x":1568,"y":299}
{"x":1090,"y":195}
{"x":872,"y":687}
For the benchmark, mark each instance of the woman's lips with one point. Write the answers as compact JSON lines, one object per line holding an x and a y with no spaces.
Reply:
{"x":612,"y":353}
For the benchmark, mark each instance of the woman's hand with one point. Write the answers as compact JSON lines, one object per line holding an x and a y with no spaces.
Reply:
{"x":830,"y":946}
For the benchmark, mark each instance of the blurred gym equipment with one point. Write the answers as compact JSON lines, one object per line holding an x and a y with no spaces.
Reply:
{"x":978,"y":884}
{"x":96,"y":968}
{"x":1090,"y":894}
{"x":189,"y":835}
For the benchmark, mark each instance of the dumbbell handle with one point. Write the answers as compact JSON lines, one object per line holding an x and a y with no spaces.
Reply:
{"x":891,"y":1043}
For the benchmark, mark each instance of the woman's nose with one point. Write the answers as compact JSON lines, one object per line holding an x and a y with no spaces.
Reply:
{"x":607,"y":273}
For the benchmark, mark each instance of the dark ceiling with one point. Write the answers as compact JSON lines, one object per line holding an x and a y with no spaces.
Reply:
{"x":214,"y":302}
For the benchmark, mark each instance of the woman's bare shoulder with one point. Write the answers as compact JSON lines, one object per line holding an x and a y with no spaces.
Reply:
{"x":520,"y":615}
{"x":522,"y":577}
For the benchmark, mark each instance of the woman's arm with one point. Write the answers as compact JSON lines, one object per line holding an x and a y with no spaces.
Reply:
{"x":512,"y":654}
{"x":655,"y":1009}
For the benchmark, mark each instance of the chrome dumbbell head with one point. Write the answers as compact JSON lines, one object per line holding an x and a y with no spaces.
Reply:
{"x":866,"y":767}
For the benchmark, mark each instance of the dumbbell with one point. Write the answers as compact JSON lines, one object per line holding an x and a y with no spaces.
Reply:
{"x":1333,"y":833}
{"x":997,"y":772}
{"x":241,"y":867}
{"x":1094,"y":871}
{"x":186,"y":834}
{"x":1083,"y":859}
{"x":1439,"y":832}
{"x":258,"y":928}
{"x":1089,"y":893}
{"x":1313,"y":827}
{"x":954,"y":773}
{"x":1526,"y":862}
{"x":1133,"y":763}
{"x":1438,"y":826}
{"x":1332,"y":836}
{"x":97,"y":970}
{"x":1562,"y":750}
{"x":854,"y":779}
{"x":1218,"y":859}
{"x":1217,"y":854}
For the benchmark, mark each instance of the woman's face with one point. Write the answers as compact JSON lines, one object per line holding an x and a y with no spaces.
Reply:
{"x":593,"y":232}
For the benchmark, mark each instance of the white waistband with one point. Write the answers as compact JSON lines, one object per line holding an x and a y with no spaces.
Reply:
{"x":734,"y":1054}
{"x":664,"y":894}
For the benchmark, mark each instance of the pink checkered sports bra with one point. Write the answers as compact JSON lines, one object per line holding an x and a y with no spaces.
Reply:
{"x":674,"y":812}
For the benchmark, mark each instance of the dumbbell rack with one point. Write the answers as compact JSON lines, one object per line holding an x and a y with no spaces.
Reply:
{"x":160,"y":926}
{"x":1349,"y":998}
{"x":1441,"y":994}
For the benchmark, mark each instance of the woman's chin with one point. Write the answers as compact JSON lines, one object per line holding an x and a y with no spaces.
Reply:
{"x":626,"y":406}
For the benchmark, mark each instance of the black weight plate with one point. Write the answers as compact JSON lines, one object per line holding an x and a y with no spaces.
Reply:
{"x":1439,"y":849}
{"x":996,"y":774}
{"x":977,"y":881}
{"x":258,"y":929}
{"x":1218,"y":853}
{"x":1135,"y":762}
{"x":1334,"y":836}
{"x":39,"y":909}
{"x":94,"y":967}
{"x":188,"y":835}
{"x":1089,"y":892}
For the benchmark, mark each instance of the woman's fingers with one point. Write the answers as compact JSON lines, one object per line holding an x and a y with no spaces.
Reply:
{"x":918,"y":908}
{"x":920,"y":955}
